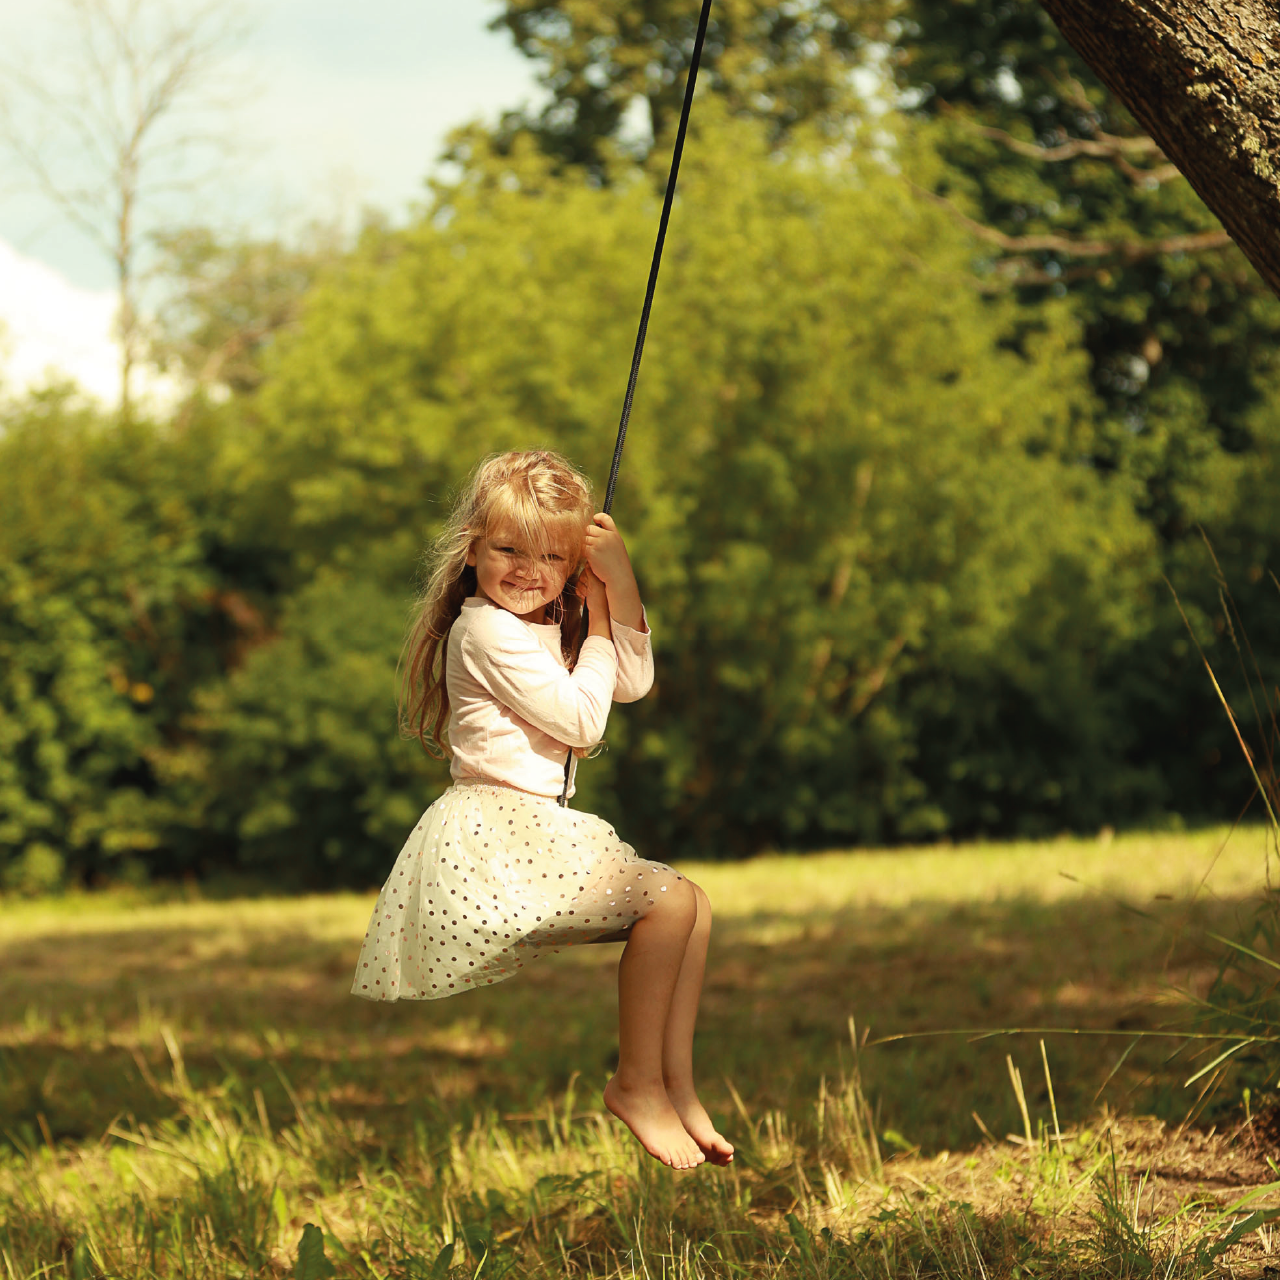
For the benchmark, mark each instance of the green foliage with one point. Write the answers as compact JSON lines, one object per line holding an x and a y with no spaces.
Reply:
{"x":1032,"y":145}
{"x":1180,"y":343}
{"x":1027,"y":143}
{"x":164,"y":706}
{"x":107,"y":615}
{"x":838,"y":488}
{"x":787,"y":65}
{"x":900,"y":532}
{"x":313,"y":784}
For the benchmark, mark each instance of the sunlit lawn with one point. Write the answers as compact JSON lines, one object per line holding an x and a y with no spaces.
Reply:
{"x":106,"y":1001}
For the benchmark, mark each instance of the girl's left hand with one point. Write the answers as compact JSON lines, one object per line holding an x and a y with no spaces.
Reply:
{"x":607,"y":553}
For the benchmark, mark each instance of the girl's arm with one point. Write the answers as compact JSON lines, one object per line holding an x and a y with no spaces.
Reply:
{"x":608,"y":559}
{"x":594,"y":595}
{"x":514,"y":666}
{"x":635,"y":662}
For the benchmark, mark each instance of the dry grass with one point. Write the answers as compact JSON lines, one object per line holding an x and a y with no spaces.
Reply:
{"x":184,"y":1084}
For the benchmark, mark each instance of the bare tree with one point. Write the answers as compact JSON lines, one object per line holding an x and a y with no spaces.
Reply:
{"x":1203,"y":78}
{"x":124,"y":116}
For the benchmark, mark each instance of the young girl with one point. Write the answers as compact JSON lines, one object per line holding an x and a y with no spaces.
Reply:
{"x":497,"y":872}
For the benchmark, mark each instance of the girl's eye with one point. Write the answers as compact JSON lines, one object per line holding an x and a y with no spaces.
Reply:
{"x":554,"y":558}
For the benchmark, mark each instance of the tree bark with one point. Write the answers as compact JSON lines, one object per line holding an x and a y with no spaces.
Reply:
{"x":1203,"y":78}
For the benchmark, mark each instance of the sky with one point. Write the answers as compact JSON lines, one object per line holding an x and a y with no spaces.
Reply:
{"x":339,"y":105}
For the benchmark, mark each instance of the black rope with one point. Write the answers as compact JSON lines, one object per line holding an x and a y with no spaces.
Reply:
{"x":657,"y":252}
{"x":650,"y":289}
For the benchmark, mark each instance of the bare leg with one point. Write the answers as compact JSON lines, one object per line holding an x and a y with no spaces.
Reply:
{"x":677,"y":1043}
{"x":647,"y":975}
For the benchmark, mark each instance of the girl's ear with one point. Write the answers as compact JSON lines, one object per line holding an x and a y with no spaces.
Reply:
{"x":471,"y":553}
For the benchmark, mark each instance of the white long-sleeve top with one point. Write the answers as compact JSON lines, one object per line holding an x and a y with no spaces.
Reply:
{"x":516,"y":709}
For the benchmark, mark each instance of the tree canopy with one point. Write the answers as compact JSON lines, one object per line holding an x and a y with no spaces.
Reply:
{"x":906,"y":474}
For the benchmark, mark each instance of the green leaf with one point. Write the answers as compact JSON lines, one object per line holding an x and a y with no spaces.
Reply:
{"x":1237,"y":1233}
{"x":800,"y":1234}
{"x":311,"y":1263}
{"x":444,"y":1260}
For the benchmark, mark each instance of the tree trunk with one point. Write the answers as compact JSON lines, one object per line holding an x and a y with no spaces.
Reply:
{"x":1203,"y":78}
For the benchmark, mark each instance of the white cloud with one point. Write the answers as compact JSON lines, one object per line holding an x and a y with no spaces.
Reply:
{"x":51,"y":330}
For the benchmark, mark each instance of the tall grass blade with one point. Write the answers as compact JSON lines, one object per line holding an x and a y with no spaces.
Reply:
{"x":1239,"y":946}
{"x":1226,"y":706}
{"x":1053,"y":1102}
{"x":1221,"y":1058}
{"x":1016,"y":1076}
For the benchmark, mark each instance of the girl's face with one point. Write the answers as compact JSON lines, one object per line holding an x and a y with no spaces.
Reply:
{"x":514,"y":578}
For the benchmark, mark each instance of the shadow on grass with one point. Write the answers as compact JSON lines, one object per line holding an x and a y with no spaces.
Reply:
{"x":266,"y":1008}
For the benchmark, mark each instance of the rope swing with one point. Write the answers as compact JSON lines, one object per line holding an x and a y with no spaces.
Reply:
{"x":650,"y":289}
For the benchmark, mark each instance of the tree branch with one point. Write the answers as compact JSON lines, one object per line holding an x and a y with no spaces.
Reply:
{"x":1068,"y":246}
{"x":1102,"y":146}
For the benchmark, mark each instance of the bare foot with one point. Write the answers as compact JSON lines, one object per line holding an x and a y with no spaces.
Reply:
{"x":693,"y":1115}
{"x":651,"y":1117}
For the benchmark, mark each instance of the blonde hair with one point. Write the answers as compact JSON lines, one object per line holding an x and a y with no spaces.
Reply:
{"x":534,"y":493}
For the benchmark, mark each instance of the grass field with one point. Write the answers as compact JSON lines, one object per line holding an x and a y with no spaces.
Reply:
{"x":184,"y":1084}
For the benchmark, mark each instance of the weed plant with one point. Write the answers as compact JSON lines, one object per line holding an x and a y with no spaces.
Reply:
{"x":1242,"y":1005}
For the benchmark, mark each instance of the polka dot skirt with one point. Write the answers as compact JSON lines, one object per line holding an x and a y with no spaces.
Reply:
{"x":491,"y":878}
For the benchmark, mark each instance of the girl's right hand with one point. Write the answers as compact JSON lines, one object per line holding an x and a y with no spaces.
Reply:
{"x":592,"y":591}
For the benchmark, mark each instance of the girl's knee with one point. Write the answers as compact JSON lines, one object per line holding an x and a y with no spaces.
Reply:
{"x":681,"y":899}
{"x":703,"y":905}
